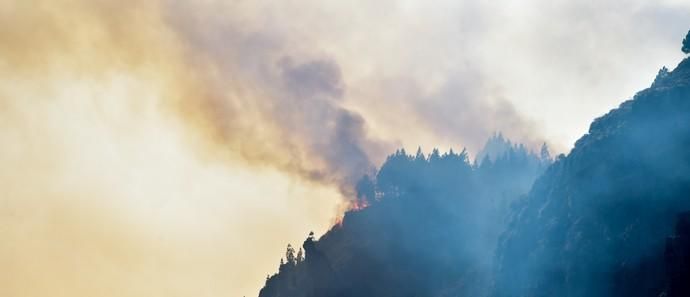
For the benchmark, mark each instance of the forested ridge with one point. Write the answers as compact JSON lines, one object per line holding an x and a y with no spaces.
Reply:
{"x":423,"y":225}
{"x":607,"y":219}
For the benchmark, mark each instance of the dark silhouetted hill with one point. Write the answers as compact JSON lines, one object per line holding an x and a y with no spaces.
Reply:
{"x":596,"y":223}
{"x":426,"y":226}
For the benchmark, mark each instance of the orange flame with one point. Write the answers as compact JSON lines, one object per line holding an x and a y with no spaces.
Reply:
{"x":352,"y":206}
{"x":359,"y":204}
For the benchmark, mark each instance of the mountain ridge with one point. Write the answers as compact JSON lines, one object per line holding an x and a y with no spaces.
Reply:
{"x":595,"y":212}
{"x":593,"y":223}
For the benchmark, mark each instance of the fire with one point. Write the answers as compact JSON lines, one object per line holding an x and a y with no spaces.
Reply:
{"x":338,"y":221}
{"x":352,"y":206}
{"x":358,"y":204}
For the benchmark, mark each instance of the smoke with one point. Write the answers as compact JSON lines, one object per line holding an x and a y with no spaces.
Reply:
{"x":156,"y":137}
{"x":112,"y":181}
{"x":332,"y":124}
{"x":275,"y":105}
{"x":310,"y":106}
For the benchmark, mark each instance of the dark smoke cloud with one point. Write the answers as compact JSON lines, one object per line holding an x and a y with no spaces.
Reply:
{"x":317,"y":78}
{"x":448,"y":75}
{"x":337,"y":135}
{"x":278,"y":105}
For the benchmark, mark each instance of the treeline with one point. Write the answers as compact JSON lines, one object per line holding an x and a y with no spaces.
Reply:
{"x":602,"y":221}
{"x":596,"y":223}
{"x":421,"y":222}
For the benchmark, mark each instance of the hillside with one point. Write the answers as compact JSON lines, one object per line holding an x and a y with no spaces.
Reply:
{"x":601,"y":221}
{"x":426,"y":226}
{"x":595,"y":223}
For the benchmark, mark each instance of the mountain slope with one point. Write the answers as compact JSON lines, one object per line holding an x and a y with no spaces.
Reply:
{"x":598,"y":222}
{"x":429,"y":229}
{"x":595,"y":223}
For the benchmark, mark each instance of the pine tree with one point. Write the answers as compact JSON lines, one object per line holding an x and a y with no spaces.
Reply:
{"x":545,"y":155}
{"x":686,"y":44}
{"x":435,"y":155}
{"x":419,"y":156}
{"x":290,"y":255}
{"x":300,"y":256}
{"x":463,"y":155}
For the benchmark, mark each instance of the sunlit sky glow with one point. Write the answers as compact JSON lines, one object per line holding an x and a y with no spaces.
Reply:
{"x":171,"y":148}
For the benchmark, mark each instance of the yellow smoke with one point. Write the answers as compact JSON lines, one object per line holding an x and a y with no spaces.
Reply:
{"x":173,"y":148}
{"x":117,"y":178}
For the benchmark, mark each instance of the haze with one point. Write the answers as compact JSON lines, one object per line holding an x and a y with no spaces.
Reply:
{"x":170,"y":148}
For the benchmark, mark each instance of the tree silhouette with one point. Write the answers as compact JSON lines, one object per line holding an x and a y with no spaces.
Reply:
{"x":545,"y":155}
{"x":290,"y":255}
{"x":435,"y":155}
{"x":300,"y":256}
{"x":419,"y":155}
{"x":686,"y":44}
{"x":661,"y":75}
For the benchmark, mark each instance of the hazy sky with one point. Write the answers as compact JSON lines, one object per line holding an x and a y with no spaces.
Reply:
{"x":174,"y":148}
